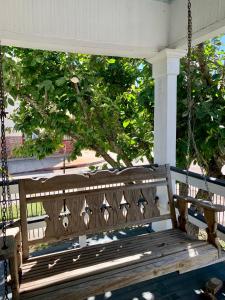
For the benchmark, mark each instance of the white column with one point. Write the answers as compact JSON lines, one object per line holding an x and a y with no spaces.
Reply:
{"x":165,"y":68}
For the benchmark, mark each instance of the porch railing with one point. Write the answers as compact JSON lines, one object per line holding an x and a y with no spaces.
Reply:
{"x":196,"y":182}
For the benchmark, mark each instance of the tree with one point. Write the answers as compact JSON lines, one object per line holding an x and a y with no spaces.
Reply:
{"x":208,"y":109}
{"x":102,"y":103}
{"x":111,"y":107}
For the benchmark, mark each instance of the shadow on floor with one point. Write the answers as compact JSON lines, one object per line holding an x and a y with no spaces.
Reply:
{"x":170,"y":287}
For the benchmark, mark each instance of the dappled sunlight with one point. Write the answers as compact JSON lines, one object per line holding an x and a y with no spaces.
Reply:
{"x":122,"y":232}
{"x":192,"y":252}
{"x":148,"y":296}
{"x":108,"y":294}
{"x":54,"y":263}
{"x":76,"y":259}
{"x":102,"y":240}
{"x":199,"y":291}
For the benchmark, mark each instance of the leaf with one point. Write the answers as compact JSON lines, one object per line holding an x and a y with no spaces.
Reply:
{"x":47,"y":85}
{"x":111,"y":61}
{"x":61,"y":81}
{"x":126,"y":123}
{"x":10,"y":101}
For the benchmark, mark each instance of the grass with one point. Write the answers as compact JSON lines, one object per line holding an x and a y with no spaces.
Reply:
{"x":33,"y":210}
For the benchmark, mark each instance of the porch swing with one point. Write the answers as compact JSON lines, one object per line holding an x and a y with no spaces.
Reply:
{"x":98,"y":202}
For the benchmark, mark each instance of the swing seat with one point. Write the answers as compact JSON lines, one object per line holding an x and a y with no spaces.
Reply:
{"x":94,"y":270}
{"x":102,"y":202}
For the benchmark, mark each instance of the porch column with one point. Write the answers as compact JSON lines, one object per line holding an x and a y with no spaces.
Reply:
{"x":165,"y":68}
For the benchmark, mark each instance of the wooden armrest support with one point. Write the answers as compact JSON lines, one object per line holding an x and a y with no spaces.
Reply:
{"x":210,"y":214}
{"x":201,"y":203}
{"x":13,"y":254}
{"x":9,"y":251}
{"x":11,"y":232}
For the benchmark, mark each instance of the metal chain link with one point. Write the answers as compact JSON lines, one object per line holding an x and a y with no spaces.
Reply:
{"x":189,"y":89}
{"x":4,"y":171}
{"x":191,"y":138}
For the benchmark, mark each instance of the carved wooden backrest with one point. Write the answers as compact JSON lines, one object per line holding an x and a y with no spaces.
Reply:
{"x":93,"y":202}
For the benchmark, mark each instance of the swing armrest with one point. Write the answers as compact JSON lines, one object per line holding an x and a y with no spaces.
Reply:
{"x":205,"y":204}
{"x":13,"y":243}
{"x":12,"y":240}
{"x":12,"y":231}
{"x":13,"y":255}
{"x":9,"y":251}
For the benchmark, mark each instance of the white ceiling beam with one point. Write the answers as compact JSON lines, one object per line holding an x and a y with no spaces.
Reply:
{"x":208,"y":21}
{"x":134,"y":28}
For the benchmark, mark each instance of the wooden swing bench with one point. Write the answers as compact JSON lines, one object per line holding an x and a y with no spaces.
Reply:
{"x":100,"y":202}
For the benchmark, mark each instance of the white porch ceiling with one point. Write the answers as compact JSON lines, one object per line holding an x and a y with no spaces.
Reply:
{"x":134,"y":28}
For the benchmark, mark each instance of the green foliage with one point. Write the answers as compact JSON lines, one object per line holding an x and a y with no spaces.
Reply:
{"x":109,"y":109}
{"x":208,"y":113}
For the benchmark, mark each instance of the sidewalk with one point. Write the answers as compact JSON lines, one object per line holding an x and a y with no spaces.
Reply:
{"x":52,"y":164}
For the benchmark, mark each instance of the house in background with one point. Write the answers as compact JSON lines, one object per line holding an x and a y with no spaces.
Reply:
{"x":15,"y":138}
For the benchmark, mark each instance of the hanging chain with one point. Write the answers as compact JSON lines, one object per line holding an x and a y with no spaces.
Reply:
{"x":4,"y":171}
{"x":4,"y":155}
{"x":189,"y":88}
{"x":191,"y":138}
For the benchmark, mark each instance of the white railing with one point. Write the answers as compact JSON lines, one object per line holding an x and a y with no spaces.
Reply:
{"x":196,"y":182}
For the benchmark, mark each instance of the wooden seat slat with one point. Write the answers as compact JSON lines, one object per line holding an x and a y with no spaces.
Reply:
{"x":110,"y":258}
{"x":79,"y":260}
{"x":102,"y":281}
{"x":154,"y":236}
{"x":96,"y":263}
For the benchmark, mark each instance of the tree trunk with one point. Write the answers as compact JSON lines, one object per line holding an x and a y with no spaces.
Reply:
{"x":119,"y":151}
{"x":214,"y":168}
{"x":106,"y":157}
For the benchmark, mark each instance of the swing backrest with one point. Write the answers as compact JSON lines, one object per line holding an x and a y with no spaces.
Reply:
{"x":94,"y":202}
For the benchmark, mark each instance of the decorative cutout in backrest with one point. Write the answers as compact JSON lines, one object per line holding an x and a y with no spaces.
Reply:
{"x":141,"y":204}
{"x":106,"y":209}
{"x":99,"y":202}
{"x":124,"y":206}
{"x":54,"y":226}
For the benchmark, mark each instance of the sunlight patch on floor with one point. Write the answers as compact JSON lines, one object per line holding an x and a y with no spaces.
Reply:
{"x":148,"y":296}
{"x":108,"y":295}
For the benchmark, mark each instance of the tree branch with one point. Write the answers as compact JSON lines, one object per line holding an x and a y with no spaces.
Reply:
{"x":106,"y":156}
{"x":203,"y":64}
